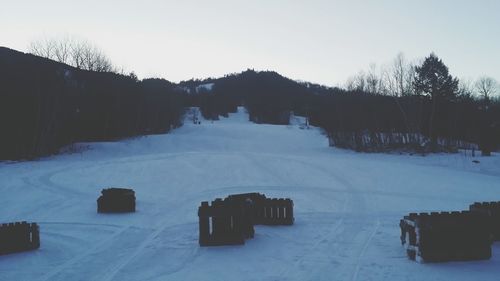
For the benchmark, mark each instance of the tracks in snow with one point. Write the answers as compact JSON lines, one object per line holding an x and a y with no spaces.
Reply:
{"x":53,"y":273}
{"x":340,"y":231}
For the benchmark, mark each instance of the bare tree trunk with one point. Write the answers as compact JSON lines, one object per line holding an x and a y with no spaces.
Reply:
{"x":432,"y":135}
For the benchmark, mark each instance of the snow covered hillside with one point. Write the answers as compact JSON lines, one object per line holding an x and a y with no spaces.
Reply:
{"x":347,"y":207}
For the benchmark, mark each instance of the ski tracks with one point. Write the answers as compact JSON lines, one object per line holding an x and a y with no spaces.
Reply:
{"x":53,"y":273}
{"x":341,"y":231}
{"x":338,"y":245}
{"x":363,"y":251}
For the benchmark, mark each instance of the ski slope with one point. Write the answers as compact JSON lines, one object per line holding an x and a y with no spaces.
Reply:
{"x":347,"y":207}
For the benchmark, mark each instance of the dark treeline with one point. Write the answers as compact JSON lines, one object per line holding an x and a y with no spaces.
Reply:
{"x":375,"y":122}
{"x":267,"y":96}
{"x":418,"y":107}
{"x":424,"y":119}
{"x":45,"y":105}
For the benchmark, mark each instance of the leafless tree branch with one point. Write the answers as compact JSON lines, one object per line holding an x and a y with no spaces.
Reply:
{"x":78,"y":53}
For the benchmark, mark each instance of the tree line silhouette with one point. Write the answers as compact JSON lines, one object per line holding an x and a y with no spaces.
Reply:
{"x":45,"y":105}
{"x":419,"y":108}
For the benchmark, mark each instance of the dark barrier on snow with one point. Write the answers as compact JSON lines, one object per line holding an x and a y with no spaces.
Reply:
{"x":266,"y":211}
{"x":492,"y":210}
{"x":446,"y":236}
{"x":18,"y":237}
{"x":276,"y":212}
{"x":223,"y":223}
{"x":116,"y":200}
{"x":231,"y":221}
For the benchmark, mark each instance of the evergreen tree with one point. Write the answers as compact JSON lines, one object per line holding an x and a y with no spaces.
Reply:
{"x":434,"y":80}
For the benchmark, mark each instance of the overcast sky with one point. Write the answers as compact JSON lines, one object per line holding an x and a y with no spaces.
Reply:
{"x":317,"y":41}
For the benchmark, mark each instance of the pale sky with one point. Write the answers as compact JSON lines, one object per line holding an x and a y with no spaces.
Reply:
{"x":312,"y":40}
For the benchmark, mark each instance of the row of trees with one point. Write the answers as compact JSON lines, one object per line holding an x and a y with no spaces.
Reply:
{"x":45,"y":105}
{"x":399,"y":78}
{"x":417,"y":107}
{"x":453,"y":108}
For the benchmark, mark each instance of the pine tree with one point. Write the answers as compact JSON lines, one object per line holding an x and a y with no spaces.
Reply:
{"x":433,"y":79}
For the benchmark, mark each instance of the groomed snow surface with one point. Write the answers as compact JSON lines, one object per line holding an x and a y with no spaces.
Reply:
{"x":347,"y":207}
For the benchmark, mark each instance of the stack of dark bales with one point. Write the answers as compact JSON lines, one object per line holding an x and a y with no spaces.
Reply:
{"x":452,"y":236}
{"x":18,"y":237}
{"x":231,"y":221}
{"x":446,"y":236}
{"x":116,"y":200}
{"x":492,"y":210}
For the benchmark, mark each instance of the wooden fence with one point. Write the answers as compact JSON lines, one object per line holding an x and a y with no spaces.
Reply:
{"x":492,"y":210}
{"x":18,"y":237}
{"x":231,"y":221}
{"x":446,"y":236}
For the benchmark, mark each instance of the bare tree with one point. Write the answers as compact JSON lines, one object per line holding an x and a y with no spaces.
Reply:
{"x":78,"y":53}
{"x":62,"y":50}
{"x":486,"y":87}
{"x":43,"y":48}
{"x":399,"y":72}
{"x":387,"y":85}
{"x":357,"y":82}
{"x":401,"y":76}
{"x":396,"y":79}
{"x":466,"y":88}
{"x":372,"y":80}
{"x":350,"y":84}
{"x":100,"y":62}
{"x":410,"y":77}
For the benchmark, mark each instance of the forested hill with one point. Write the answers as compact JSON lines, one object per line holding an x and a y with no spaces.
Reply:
{"x":359,"y":119}
{"x":268,"y":96}
{"x":45,"y":105}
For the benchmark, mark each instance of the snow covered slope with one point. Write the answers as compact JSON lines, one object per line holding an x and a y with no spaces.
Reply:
{"x":347,"y":207}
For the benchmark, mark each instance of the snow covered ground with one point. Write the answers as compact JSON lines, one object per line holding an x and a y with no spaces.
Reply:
{"x":347,"y":207}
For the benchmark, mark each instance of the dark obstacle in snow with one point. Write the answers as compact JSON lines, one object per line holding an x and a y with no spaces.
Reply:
{"x":450,"y":236}
{"x":19,"y":237}
{"x":116,"y":200}
{"x":231,"y":221}
{"x":492,"y":210}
